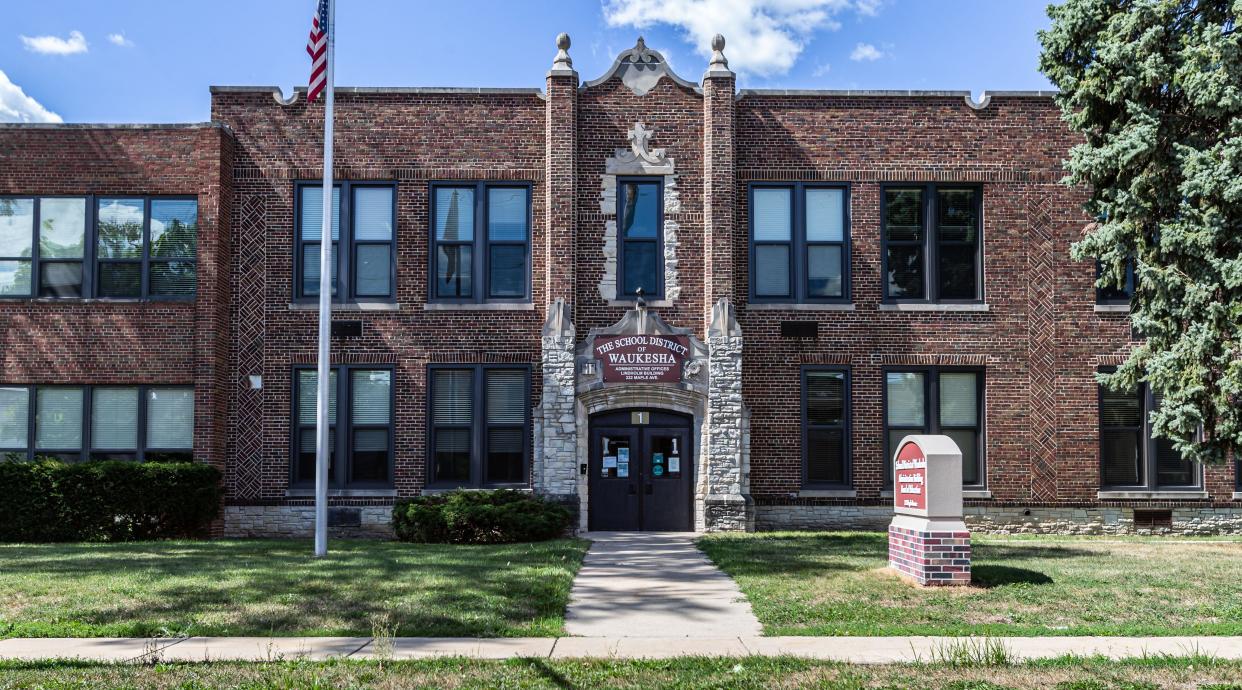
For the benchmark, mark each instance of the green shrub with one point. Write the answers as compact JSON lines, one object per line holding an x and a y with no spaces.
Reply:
{"x":479,"y":517}
{"x":48,"y":500}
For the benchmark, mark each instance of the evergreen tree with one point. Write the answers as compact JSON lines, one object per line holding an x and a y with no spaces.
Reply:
{"x":1155,"y":89}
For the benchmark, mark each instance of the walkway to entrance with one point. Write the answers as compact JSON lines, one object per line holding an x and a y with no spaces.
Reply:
{"x":654,"y":584}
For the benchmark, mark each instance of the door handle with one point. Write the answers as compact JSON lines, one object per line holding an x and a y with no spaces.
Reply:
{"x":650,"y":489}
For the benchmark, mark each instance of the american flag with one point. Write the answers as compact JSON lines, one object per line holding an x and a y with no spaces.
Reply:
{"x":317,"y":48}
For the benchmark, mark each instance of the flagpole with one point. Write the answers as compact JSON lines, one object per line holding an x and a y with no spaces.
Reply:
{"x":326,"y":276}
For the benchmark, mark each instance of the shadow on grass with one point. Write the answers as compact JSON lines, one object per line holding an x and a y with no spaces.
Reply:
{"x":988,"y":576}
{"x":550,"y":674}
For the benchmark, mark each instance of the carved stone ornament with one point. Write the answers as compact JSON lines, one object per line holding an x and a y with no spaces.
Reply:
{"x":640,"y":69}
{"x":640,"y":139}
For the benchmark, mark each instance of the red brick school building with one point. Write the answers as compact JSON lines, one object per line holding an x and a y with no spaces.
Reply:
{"x":671,"y":305}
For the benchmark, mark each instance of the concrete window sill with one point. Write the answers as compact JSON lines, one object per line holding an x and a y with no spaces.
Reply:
{"x":770,"y":306}
{"x":1152,"y":495}
{"x":630,"y":303}
{"x":1112,"y":309}
{"x":486,"y":306}
{"x":976,"y":494}
{"x":1237,"y":495}
{"x":434,"y":491}
{"x":827,"y":493}
{"x":932,"y":306}
{"x":347,"y":306}
{"x":343,"y":493}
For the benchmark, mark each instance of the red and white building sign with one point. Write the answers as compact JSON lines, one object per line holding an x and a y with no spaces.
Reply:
{"x":910,"y":485}
{"x":642,"y":358}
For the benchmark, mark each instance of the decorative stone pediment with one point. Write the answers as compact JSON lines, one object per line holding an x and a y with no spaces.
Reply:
{"x":640,"y":321}
{"x":640,"y":69}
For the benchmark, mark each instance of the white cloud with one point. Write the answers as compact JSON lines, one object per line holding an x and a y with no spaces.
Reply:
{"x":764,"y":37}
{"x":822,"y":70}
{"x":16,"y":106}
{"x":866,"y":51}
{"x":120,"y":40}
{"x":55,"y":45}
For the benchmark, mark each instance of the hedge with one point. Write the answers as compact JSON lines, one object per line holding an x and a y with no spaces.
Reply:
{"x":48,"y":500}
{"x":479,"y":517}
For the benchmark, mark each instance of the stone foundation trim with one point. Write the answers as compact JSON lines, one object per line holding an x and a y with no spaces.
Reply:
{"x":930,"y":558}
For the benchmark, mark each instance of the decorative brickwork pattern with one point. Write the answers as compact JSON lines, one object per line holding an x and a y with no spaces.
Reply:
{"x":246,"y":467}
{"x":930,"y":558}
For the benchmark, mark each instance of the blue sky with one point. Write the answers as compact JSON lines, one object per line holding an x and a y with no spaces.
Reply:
{"x":153,"y":60}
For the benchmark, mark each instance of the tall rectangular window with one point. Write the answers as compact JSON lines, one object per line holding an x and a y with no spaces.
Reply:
{"x":363,"y":223}
{"x":825,"y":427}
{"x":1130,"y":456}
{"x":640,"y":237}
{"x":936,"y":400}
{"x":360,"y":430}
{"x":109,"y":247}
{"x":480,"y":426}
{"x":97,"y":422}
{"x":933,"y":248}
{"x":799,"y":243}
{"x":480,"y":242}
{"x":1119,"y":293}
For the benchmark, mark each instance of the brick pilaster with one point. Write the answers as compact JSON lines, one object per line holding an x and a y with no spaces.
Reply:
{"x":560,"y":183}
{"x":719,"y":185}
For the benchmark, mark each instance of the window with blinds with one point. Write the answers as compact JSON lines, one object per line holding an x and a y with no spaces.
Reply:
{"x":936,"y":400}
{"x":1131,"y":457}
{"x":480,"y":240}
{"x":98,"y":422}
{"x":825,"y":434}
{"x":360,"y":428}
{"x":480,"y":425}
{"x":799,"y":243}
{"x":364,"y":232}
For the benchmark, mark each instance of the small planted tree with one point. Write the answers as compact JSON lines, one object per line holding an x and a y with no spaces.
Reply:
{"x":1155,"y":89}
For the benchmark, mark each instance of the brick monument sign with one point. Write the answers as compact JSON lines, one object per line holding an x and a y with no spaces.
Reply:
{"x":927,"y":538}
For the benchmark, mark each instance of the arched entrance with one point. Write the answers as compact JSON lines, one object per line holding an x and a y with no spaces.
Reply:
{"x":641,"y":471}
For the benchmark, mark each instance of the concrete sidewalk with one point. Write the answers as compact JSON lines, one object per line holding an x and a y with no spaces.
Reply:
{"x":655,"y":584}
{"x":858,"y":650}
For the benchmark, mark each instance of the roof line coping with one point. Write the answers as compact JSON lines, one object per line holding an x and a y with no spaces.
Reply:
{"x":891,"y":93}
{"x":385,"y":89}
{"x":115,"y":125}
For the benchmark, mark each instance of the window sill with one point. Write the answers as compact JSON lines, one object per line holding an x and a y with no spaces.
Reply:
{"x":484,"y":306}
{"x":827,"y":493}
{"x":631,"y":303}
{"x":887,"y":493}
{"x":1237,"y":495}
{"x":932,"y":306}
{"x":436,"y":490}
{"x":1112,"y":309}
{"x":100,"y":300}
{"x":792,"y":306}
{"x":343,"y":493}
{"x":976,"y":494}
{"x":1152,"y":495}
{"x":347,"y":306}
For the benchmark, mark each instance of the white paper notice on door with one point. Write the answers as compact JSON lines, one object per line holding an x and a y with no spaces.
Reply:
{"x":623,"y":469}
{"x":623,"y":454}
{"x":674,"y":463}
{"x":610,"y":461}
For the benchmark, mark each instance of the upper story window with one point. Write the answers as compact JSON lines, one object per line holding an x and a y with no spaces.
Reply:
{"x":1116,"y":294}
{"x":369,"y":268}
{"x":480,"y":242}
{"x":97,"y":422}
{"x":640,"y":237}
{"x":361,"y":431}
{"x":124,"y":247}
{"x":799,"y":236}
{"x":935,"y":400}
{"x":480,"y":426}
{"x":825,"y":427}
{"x":933,"y":249}
{"x":1130,"y":457}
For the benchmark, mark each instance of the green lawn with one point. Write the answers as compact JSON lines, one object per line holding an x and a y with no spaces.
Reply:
{"x":682,"y":674}
{"x":837,"y":584}
{"x":264,"y":587}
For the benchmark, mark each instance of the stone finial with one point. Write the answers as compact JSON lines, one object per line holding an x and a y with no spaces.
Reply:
{"x":724,"y":320}
{"x":562,"y":63}
{"x":719,"y":65}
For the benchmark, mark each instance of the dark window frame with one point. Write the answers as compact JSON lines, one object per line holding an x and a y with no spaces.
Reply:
{"x":1123,"y":294}
{"x":846,"y":427}
{"x":478,"y":427}
{"x":658,"y":181}
{"x":1148,"y":458}
{"x":481,"y":243}
{"x":88,"y":451}
{"x":90,"y":251}
{"x":799,"y":246}
{"x":345,"y":270}
{"x":931,"y":243}
{"x":344,"y":428}
{"x":931,"y":415}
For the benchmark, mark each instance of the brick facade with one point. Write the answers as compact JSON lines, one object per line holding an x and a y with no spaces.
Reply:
{"x":1039,"y":339}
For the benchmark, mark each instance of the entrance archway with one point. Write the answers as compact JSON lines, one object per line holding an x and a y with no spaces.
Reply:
{"x":641,"y":471}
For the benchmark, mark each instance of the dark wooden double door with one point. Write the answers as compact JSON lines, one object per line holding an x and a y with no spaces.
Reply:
{"x":641,"y":474}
